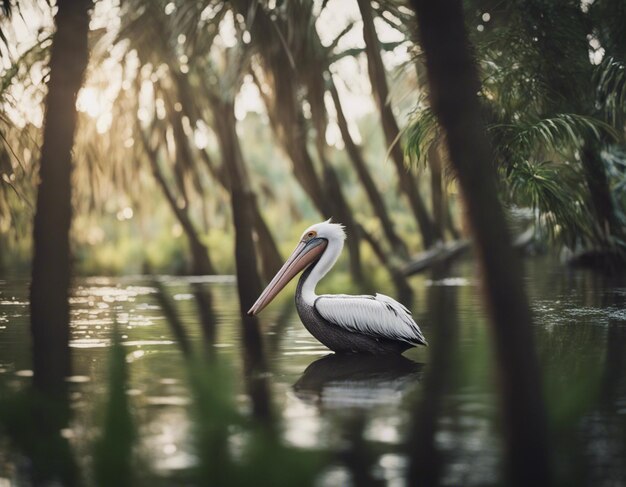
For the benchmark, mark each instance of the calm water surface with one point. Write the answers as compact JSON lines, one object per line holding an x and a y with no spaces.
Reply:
{"x":330,"y":402}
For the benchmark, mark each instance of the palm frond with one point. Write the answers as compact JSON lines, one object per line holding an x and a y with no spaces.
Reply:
{"x":560,"y":134}
{"x":556,"y":195}
{"x":610,"y":82}
{"x":421,"y":132}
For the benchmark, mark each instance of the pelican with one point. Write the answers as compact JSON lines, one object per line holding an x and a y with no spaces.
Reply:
{"x":367,"y":324}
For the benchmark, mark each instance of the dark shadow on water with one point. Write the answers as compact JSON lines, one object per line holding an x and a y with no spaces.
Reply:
{"x":204,"y":304}
{"x":255,"y":368}
{"x":284,"y":317}
{"x":357,"y":379}
{"x":426,"y":462}
{"x":34,"y":423}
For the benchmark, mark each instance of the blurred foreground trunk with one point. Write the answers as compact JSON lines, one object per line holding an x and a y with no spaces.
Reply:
{"x":380,"y":91}
{"x":49,"y":306}
{"x":453,"y":81}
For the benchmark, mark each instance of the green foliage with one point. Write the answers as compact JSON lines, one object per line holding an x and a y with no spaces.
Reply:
{"x":610,"y":79}
{"x":561,"y":134}
{"x":421,"y":133}
{"x":538,"y":163}
{"x":554,"y":193}
{"x":542,"y":112}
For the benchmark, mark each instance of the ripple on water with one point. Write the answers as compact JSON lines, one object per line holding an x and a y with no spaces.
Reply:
{"x":618,"y":314}
{"x":90,"y":343}
{"x":13,"y":302}
{"x":451,"y":281}
{"x":561,"y":312}
{"x":78,"y":379}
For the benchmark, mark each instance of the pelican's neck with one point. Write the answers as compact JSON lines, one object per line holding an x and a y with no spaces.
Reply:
{"x":318,"y":270}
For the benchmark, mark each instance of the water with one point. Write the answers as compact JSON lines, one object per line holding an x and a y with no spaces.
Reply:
{"x":339,"y":404}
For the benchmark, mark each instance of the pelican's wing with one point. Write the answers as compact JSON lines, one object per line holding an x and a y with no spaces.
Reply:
{"x":378,"y":316}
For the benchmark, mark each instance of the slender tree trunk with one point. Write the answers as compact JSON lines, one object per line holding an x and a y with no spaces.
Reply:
{"x":456,"y":234}
{"x":598,"y":184}
{"x":288,"y":124}
{"x":51,"y":260}
{"x":200,"y":262}
{"x":249,"y":285}
{"x":290,"y":131}
{"x":343,"y":214}
{"x":404,"y":291}
{"x":436,"y":190}
{"x":271,"y":259}
{"x":380,"y":90}
{"x":454,"y":82}
{"x":376,"y":200}
{"x":249,"y":282}
{"x":287,"y":121}
{"x":332,"y":187}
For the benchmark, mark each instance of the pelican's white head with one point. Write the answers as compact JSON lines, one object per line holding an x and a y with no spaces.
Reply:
{"x":333,"y":232}
{"x":321,"y":242}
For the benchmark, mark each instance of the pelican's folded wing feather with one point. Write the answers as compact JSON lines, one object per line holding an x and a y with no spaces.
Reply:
{"x":379,"y":316}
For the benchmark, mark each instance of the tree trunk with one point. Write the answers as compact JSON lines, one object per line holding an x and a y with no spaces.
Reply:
{"x":287,"y":121}
{"x":200,"y":261}
{"x":289,"y":125}
{"x":454,"y":82}
{"x":290,"y":129}
{"x":436,"y":190}
{"x":598,"y":184}
{"x":380,"y":91}
{"x":343,"y":214}
{"x":249,"y":283}
{"x":49,"y":306}
{"x":398,"y":246}
{"x":404,"y":291}
{"x":456,"y":234}
{"x":271,"y":260}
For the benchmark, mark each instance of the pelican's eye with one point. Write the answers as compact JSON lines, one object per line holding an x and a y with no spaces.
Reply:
{"x":310,"y":235}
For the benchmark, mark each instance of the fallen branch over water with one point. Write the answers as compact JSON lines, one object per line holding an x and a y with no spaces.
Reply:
{"x":439,"y":254}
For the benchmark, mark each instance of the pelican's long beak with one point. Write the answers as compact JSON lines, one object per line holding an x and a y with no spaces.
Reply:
{"x":305,"y":254}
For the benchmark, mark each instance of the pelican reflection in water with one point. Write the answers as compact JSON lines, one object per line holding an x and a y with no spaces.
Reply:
{"x":370,"y":324}
{"x":361,"y":380}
